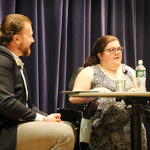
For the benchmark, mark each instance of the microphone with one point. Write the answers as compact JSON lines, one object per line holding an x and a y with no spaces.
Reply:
{"x":125,"y":72}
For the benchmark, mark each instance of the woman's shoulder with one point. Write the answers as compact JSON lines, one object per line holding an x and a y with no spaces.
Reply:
{"x":86,"y":72}
{"x":87,"y":69}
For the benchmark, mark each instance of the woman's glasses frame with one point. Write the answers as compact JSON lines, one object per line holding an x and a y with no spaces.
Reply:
{"x":113,"y":50}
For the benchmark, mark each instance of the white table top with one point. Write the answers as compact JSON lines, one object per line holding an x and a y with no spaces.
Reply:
{"x":106,"y":94}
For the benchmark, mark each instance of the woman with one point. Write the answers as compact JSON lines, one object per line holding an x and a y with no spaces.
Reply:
{"x":111,"y":123}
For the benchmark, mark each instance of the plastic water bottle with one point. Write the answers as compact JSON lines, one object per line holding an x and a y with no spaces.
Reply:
{"x":140,"y":77}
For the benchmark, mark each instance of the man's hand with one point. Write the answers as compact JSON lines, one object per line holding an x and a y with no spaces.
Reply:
{"x":52,"y":118}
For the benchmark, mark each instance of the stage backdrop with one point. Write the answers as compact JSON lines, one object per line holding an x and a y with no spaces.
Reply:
{"x":64,"y":33}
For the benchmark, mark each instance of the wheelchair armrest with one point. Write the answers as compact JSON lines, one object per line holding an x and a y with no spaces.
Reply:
{"x":72,"y":116}
{"x":69,"y":111}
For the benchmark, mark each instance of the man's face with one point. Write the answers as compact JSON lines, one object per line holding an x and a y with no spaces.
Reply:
{"x":26,"y":39}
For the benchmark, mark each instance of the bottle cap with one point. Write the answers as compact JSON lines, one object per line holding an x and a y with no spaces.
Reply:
{"x":140,"y":62}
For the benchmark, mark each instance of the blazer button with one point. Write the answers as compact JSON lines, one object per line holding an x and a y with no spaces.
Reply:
{"x":20,"y":119}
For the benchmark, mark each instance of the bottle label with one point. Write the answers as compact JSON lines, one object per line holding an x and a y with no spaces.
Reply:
{"x":140,"y":74}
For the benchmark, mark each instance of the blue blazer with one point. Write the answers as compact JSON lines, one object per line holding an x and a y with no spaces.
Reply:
{"x":12,"y":100}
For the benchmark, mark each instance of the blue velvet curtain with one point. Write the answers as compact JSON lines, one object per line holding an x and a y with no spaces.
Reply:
{"x":64,"y":33}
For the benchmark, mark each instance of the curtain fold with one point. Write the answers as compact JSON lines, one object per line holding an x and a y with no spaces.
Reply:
{"x":65,"y":32}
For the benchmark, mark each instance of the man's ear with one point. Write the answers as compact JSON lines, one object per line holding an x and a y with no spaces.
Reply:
{"x":16,"y":39}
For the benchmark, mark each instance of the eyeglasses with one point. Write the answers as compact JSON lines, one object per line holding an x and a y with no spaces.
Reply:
{"x":113,"y":50}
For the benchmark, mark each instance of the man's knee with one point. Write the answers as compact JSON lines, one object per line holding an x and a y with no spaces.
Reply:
{"x":66,"y":138}
{"x":56,"y":136}
{"x":68,"y":131}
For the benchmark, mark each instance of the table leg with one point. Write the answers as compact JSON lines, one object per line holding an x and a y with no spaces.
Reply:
{"x":136,"y":128}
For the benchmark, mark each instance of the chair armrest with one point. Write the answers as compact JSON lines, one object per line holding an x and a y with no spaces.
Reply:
{"x":72,"y":116}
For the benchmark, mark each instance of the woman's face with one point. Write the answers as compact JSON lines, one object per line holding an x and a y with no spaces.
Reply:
{"x":109,"y":60}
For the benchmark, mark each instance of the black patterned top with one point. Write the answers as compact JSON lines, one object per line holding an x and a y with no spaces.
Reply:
{"x":111,"y":123}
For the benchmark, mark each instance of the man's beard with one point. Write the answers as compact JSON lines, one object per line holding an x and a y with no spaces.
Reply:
{"x":25,"y":50}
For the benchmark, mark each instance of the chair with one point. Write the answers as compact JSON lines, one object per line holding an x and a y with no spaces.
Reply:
{"x":79,"y":107}
{"x":75,"y":112}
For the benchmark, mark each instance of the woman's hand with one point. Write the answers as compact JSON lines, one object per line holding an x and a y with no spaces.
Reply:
{"x":52,"y":118}
{"x":101,"y":89}
{"x":132,"y":90}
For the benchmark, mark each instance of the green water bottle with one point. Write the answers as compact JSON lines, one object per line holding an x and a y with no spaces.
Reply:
{"x":140,"y":77}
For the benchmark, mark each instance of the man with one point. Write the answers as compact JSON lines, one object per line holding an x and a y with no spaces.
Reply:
{"x":22,"y":125}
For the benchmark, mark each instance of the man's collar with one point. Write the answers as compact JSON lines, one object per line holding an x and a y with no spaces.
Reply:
{"x":18,"y":60}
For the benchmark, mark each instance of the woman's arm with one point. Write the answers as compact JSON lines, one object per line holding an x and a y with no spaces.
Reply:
{"x":83,"y":83}
{"x":133,"y":79}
